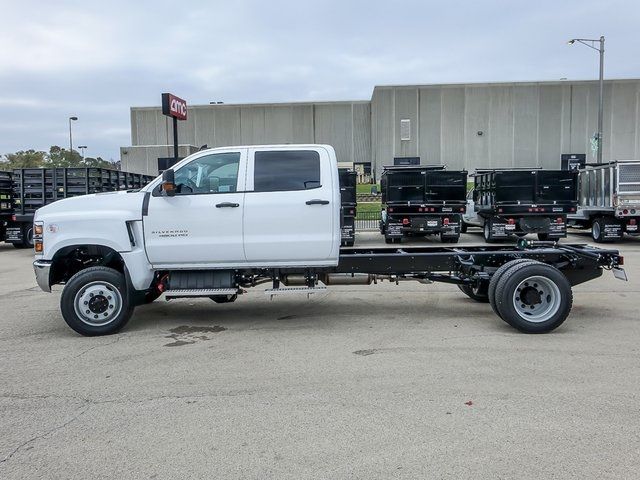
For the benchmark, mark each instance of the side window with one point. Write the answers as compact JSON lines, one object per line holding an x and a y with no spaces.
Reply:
{"x":286,"y":170}
{"x":216,"y":173}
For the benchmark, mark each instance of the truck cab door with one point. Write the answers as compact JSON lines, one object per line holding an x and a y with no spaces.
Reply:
{"x":201,"y":226}
{"x":292,"y":207}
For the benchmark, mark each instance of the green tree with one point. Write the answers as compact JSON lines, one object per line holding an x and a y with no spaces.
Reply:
{"x":23,"y":159}
{"x":60,"y":157}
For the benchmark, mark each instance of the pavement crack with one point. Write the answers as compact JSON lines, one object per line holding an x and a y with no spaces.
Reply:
{"x":45,"y":434}
{"x":117,"y":339}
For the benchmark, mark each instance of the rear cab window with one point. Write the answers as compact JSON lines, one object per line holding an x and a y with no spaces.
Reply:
{"x":286,"y":170}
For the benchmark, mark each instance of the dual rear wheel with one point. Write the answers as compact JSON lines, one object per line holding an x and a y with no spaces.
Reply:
{"x":531,"y":296}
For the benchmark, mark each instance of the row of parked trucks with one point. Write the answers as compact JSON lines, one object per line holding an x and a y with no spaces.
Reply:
{"x":24,"y":190}
{"x":508,"y":203}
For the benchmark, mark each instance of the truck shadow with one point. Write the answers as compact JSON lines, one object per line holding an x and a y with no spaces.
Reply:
{"x":365,"y":311}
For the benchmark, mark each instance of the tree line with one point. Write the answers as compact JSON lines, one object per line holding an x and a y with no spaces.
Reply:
{"x":55,"y":157}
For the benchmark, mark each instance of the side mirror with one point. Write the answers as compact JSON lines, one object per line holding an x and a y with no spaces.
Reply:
{"x":168,"y":186}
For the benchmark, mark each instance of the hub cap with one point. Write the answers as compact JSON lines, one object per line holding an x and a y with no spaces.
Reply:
{"x":536,"y":299}
{"x":98,"y":303}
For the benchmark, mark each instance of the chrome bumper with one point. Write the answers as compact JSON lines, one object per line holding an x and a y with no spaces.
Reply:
{"x":42,"y":269}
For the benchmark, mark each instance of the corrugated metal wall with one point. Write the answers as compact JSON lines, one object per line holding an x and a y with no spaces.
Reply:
{"x":345,"y":125}
{"x":502,"y":125}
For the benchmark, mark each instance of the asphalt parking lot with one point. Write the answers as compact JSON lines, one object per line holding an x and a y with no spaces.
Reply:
{"x":408,"y":381}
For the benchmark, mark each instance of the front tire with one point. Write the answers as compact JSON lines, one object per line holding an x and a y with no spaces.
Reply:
{"x":96,"y":302}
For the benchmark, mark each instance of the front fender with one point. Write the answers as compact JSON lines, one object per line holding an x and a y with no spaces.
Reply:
{"x":108,"y":229}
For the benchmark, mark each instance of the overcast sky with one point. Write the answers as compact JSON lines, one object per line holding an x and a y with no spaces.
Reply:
{"x":97,"y":59}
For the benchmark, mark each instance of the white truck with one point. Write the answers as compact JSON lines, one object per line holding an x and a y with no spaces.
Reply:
{"x":227,"y":219}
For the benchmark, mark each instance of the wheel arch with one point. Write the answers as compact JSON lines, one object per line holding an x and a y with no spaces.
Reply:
{"x":71,"y":259}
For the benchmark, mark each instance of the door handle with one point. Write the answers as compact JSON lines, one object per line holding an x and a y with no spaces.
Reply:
{"x":227,"y":204}
{"x":317,"y":201}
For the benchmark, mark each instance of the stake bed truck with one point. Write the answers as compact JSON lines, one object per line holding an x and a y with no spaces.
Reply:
{"x":227,"y":219}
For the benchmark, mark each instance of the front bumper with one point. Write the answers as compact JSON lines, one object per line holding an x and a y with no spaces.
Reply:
{"x":42,"y":268}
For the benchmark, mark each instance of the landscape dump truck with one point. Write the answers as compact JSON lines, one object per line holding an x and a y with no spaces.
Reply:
{"x":422,"y":200}
{"x":609,"y":200}
{"x":515,"y":202}
{"x":227,"y":219}
{"x":33,"y":188}
{"x":349,"y":204}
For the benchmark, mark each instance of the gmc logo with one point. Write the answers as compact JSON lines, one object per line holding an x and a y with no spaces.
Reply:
{"x":174,"y":106}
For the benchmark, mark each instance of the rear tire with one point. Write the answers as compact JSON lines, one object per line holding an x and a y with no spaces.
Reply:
{"x":597,"y":230}
{"x":96,"y":302}
{"x":486,"y":231}
{"x":533,"y":298}
{"x":479,"y":294}
{"x":27,"y":236}
{"x":491,"y":291}
{"x":543,"y":237}
{"x":463,"y":227}
{"x":388,"y":240}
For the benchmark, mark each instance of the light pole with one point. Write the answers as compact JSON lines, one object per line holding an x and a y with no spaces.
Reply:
{"x":591,"y":43}
{"x":71,"y":119}
{"x":82,"y":148}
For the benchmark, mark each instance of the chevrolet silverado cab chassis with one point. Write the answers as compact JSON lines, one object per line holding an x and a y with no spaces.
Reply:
{"x":227,"y":219}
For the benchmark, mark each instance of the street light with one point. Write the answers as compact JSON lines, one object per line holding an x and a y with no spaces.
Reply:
{"x":82,"y":148}
{"x":591,"y":43}
{"x":71,"y":119}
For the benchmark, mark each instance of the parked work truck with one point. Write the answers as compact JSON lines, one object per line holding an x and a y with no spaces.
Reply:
{"x":609,"y":200}
{"x":228,"y":219}
{"x":348,"y":201}
{"x":422,"y":200}
{"x":514,"y":202}
{"x":32,"y":188}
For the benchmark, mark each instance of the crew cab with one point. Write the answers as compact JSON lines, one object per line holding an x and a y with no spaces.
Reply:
{"x":227,"y":219}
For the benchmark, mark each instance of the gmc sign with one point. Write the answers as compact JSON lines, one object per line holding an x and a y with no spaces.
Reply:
{"x":173,"y":106}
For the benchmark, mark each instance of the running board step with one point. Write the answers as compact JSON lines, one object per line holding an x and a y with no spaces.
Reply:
{"x":290,"y":290}
{"x":200,"y":292}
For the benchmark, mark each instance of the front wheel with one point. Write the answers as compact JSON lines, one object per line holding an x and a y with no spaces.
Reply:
{"x":96,"y":302}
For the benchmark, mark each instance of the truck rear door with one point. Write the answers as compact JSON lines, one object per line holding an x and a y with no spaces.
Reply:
{"x":292,"y":207}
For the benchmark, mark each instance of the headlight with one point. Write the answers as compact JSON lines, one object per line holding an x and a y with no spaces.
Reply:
{"x":38,"y":245}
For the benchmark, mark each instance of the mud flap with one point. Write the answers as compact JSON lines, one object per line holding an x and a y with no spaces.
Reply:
{"x":612,"y":230}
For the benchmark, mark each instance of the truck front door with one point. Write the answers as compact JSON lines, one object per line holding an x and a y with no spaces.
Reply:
{"x":202,"y":224}
{"x":292,"y":207}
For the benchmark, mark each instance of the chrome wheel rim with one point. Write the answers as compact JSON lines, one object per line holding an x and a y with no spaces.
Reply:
{"x":536,"y":299}
{"x":98,"y":303}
